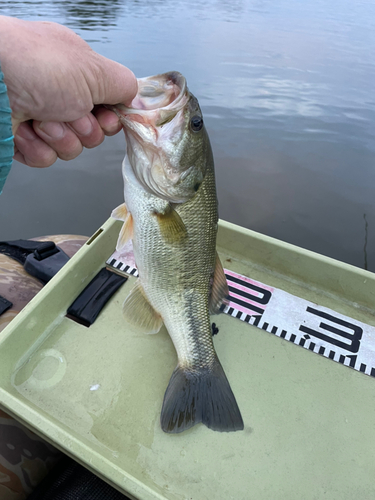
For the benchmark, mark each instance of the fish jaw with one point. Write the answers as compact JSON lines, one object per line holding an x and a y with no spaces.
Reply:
{"x":168,"y":155}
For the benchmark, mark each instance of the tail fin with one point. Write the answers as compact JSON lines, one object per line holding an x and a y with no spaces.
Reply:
{"x":200,"y":396}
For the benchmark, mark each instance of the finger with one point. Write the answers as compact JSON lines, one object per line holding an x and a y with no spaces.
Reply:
{"x":110,"y":82}
{"x":18,"y":156}
{"x":60,"y":138}
{"x":108,"y":120}
{"x":31,"y":150}
{"x":88,"y":131}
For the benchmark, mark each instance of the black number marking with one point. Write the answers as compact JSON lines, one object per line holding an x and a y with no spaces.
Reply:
{"x":354,"y":337}
{"x":264,"y":299}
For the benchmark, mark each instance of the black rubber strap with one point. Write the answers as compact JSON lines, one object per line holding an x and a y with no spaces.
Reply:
{"x":4,"y":305}
{"x":41,"y":259}
{"x":91,"y":301}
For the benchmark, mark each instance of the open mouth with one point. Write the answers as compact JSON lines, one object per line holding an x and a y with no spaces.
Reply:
{"x":157,"y":102}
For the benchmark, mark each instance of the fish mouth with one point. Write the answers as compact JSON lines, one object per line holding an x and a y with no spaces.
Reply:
{"x":154,"y":126}
{"x":159,"y":99}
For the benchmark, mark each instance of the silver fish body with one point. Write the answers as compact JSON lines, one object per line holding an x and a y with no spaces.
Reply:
{"x":180,"y":276}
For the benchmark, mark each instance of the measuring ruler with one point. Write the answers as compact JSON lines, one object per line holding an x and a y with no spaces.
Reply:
{"x":311,"y":326}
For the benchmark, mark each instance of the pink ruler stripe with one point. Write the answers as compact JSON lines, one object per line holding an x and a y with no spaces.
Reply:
{"x":247,"y":286}
{"x":242,"y":309}
{"x":244,"y":299}
{"x":246,"y":280}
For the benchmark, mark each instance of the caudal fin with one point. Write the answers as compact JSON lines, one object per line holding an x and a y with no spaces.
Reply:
{"x":200,"y":396}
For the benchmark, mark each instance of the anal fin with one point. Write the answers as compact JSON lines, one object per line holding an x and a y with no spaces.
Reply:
{"x":139,"y":312}
{"x":219,"y":291}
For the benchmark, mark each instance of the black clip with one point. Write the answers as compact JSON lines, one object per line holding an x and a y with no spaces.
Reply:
{"x":45,"y":250}
{"x":41,"y":259}
{"x":45,"y":261}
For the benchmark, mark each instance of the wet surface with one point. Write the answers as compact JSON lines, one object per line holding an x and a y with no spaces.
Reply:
{"x":287,"y":95}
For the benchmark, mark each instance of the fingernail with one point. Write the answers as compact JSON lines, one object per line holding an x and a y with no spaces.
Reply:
{"x":54,"y":129}
{"x":82,"y":126}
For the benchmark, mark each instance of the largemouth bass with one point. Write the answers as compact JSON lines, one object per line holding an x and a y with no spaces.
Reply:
{"x":171,"y":214}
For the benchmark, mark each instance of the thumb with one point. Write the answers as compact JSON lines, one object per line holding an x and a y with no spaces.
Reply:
{"x":111,"y":82}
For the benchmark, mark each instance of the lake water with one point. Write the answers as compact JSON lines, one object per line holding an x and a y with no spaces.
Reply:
{"x":287,"y":92}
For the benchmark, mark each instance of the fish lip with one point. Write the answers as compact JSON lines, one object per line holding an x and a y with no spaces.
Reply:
{"x":175,"y":104}
{"x":146,"y":119}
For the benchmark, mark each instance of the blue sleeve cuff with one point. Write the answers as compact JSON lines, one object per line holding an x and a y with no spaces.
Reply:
{"x":6,"y":135}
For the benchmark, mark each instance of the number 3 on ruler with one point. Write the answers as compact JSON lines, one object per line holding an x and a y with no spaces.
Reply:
{"x":354,"y":334}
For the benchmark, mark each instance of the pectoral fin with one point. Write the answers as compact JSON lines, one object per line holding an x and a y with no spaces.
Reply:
{"x":126,"y":232}
{"x":171,"y":226}
{"x":139,"y":312}
{"x":219,"y":291}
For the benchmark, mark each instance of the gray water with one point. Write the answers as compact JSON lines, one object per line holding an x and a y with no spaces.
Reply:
{"x":287,"y":92}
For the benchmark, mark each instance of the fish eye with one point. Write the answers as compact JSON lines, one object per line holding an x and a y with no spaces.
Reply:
{"x":196,"y":123}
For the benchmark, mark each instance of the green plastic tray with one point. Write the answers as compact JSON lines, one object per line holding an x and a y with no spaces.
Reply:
{"x":96,"y":393}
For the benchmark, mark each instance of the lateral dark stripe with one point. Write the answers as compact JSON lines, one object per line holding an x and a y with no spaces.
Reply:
{"x":362,"y":368}
{"x":274,"y":330}
{"x":321,"y":350}
{"x":341,"y":358}
{"x":312,"y":346}
{"x":283,"y":333}
{"x":112,"y":263}
{"x":292,"y":338}
{"x":265,"y":326}
{"x":331,"y":354}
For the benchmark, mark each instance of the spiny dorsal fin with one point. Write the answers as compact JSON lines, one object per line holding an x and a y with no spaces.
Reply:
{"x":139,"y":312}
{"x":126,"y":232}
{"x":219,"y":291}
{"x":171,"y":226}
{"x":120,"y":212}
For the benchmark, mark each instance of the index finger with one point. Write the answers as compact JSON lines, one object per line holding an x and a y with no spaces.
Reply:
{"x":108,"y":120}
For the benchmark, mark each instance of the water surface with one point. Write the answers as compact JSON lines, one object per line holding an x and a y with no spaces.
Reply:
{"x":287,"y":94}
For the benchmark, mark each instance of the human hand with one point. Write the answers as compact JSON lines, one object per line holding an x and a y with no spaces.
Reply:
{"x":56,"y":87}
